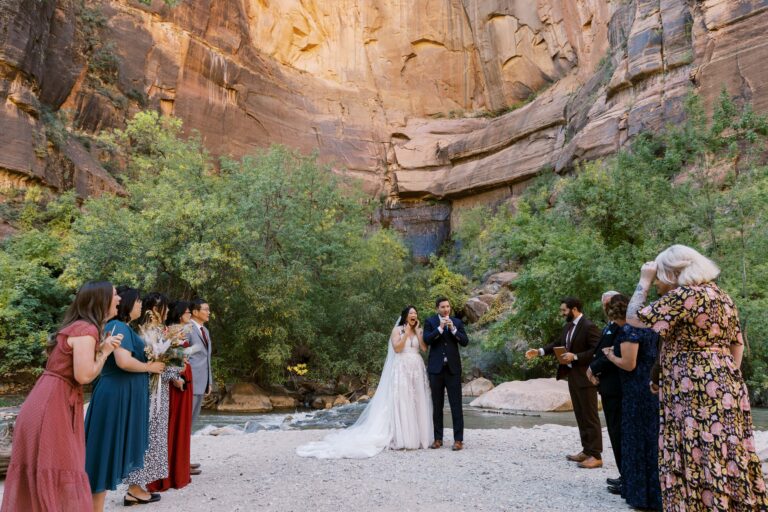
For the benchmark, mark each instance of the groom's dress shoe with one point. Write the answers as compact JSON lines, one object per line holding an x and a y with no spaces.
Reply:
{"x":437,"y":444}
{"x":579,"y":457}
{"x":591,"y":463}
{"x":457,"y":445}
{"x":614,"y":490}
{"x":616,"y":482}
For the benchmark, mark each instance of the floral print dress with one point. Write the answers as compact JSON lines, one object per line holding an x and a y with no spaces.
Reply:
{"x":707,"y":458}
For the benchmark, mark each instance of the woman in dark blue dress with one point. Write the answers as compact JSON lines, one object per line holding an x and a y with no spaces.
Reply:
{"x":117,"y":422}
{"x":639,"y":413}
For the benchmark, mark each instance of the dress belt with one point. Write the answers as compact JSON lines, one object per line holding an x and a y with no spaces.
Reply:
{"x":75,"y":393}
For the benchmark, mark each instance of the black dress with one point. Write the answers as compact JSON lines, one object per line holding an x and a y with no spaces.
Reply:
{"x":639,"y":423}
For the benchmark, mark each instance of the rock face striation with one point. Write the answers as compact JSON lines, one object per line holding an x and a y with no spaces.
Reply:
{"x":435,"y":106}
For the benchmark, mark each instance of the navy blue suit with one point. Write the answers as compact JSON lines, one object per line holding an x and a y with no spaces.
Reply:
{"x":444,"y":368}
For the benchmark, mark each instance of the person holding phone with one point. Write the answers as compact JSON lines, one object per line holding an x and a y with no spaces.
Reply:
{"x":47,"y":469}
{"x":117,"y":422}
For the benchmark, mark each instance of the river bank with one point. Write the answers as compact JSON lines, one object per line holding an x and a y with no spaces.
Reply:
{"x":499,"y":470}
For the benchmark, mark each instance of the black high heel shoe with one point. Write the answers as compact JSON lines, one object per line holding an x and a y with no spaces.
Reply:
{"x":153,"y":497}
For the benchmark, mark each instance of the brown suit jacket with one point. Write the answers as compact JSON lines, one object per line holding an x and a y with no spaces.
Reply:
{"x":585,"y":338}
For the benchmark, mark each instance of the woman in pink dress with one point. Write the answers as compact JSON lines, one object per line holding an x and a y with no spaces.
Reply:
{"x":47,"y":469}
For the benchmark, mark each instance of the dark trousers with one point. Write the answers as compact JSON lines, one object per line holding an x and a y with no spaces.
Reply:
{"x":585,"y":409}
{"x":439,"y":382}
{"x":612,"y":412}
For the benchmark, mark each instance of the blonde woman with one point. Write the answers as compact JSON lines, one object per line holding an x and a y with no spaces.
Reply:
{"x":707,"y":458}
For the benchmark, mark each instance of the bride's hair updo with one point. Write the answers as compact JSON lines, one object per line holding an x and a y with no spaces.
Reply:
{"x":404,"y":314}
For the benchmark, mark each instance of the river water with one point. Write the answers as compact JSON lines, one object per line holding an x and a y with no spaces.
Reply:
{"x":340,"y":417}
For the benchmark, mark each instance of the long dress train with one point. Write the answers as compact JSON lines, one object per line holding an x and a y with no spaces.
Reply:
{"x":398,"y":416}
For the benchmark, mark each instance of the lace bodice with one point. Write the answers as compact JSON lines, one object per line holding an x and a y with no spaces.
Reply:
{"x":411,"y":346}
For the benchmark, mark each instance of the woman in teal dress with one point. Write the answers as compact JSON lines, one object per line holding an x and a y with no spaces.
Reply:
{"x":117,"y":422}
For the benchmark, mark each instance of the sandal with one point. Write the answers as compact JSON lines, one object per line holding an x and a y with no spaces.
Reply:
{"x":153,"y":497}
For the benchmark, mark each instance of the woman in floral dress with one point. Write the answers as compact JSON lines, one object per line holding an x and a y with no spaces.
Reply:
{"x":154,"y":312}
{"x":707,"y":458}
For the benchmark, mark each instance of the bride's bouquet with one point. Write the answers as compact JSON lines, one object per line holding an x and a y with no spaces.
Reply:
{"x":166,"y":344}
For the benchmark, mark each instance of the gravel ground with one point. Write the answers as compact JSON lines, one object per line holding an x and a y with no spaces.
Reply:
{"x":499,"y":470}
{"x":513,"y":469}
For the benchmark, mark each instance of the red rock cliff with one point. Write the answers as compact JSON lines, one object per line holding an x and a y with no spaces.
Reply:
{"x":386,"y":90}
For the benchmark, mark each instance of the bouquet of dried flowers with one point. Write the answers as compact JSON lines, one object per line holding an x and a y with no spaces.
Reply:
{"x":166,"y":344}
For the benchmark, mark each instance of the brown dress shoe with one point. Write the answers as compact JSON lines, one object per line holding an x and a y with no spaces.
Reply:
{"x":457,"y":445}
{"x":195,"y":471}
{"x":579,"y":457}
{"x":437,"y":444}
{"x":194,"y":465}
{"x":591,"y":463}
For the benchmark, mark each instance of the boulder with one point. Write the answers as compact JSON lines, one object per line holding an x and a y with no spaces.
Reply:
{"x":476,"y":387}
{"x":7,"y":421}
{"x":488,"y":298}
{"x":245,"y":397}
{"x":323,"y":401}
{"x":474,"y":309}
{"x":528,"y":395}
{"x":496,"y":282}
{"x":340,"y":400}
{"x":229,"y":430}
{"x":283,"y":402}
{"x":347,"y":383}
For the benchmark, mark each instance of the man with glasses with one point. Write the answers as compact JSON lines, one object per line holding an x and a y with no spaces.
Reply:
{"x":200,"y":360}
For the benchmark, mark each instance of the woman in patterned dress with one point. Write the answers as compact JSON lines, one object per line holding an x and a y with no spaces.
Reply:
{"x":707,"y":458}
{"x":179,"y":416}
{"x":47,"y":470}
{"x":154,"y":312}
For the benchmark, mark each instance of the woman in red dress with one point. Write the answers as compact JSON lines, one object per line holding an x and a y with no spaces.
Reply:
{"x":47,"y":469}
{"x":180,"y":417}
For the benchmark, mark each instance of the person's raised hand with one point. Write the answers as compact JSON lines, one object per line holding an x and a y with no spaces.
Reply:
{"x":532,"y":353}
{"x":648,"y":272}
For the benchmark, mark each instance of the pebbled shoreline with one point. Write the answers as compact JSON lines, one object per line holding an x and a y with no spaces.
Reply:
{"x":500,"y":470}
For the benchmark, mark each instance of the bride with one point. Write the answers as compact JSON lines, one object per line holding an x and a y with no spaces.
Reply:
{"x":399,"y":416}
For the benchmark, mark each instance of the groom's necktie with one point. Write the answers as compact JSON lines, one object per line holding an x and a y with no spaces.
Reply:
{"x":568,"y":336}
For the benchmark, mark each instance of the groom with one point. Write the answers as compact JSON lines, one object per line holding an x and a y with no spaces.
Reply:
{"x":444,"y":333}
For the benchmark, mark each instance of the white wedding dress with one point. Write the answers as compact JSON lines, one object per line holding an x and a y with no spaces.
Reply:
{"x":399,"y":416}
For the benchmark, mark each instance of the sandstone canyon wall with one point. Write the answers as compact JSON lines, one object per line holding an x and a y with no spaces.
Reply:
{"x":436,"y":105}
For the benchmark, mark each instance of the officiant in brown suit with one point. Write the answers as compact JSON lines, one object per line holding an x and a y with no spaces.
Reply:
{"x":579,"y":337}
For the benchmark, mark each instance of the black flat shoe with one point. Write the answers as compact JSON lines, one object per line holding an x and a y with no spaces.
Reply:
{"x":616,"y":482}
{"x":614,"y":490}
{"x":153,"y":497}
